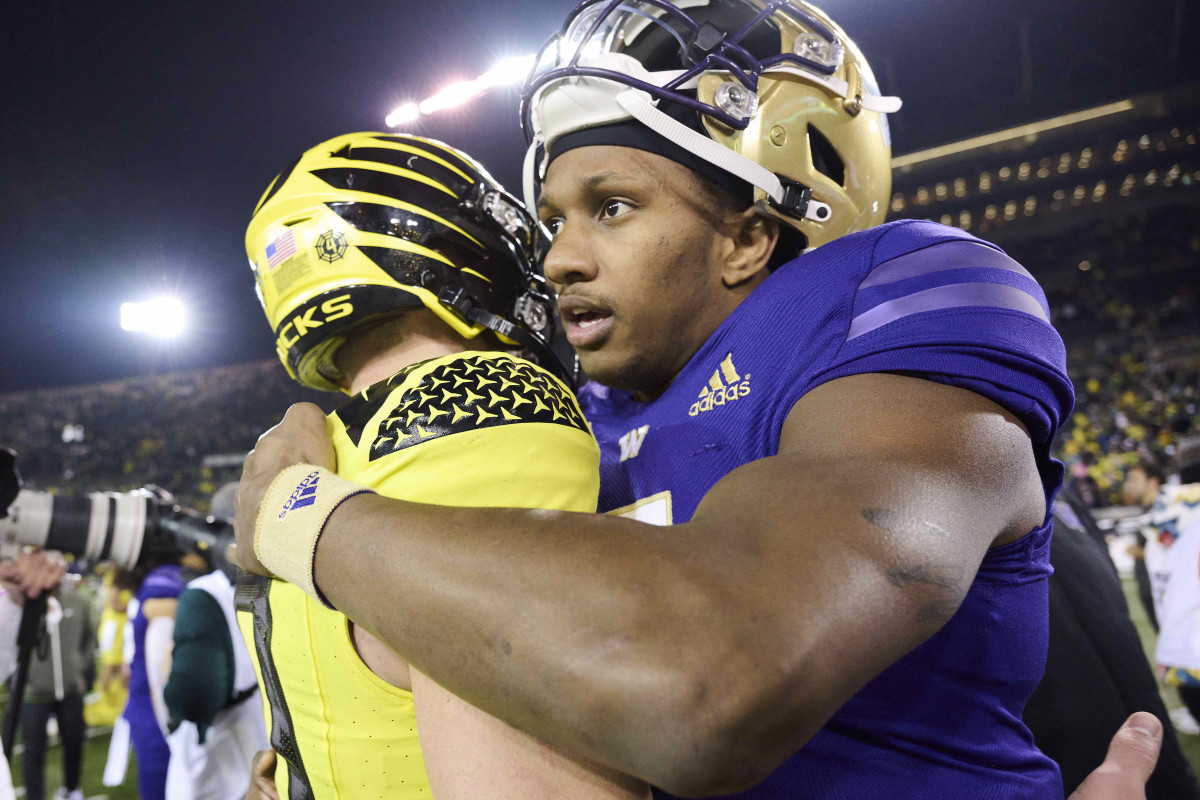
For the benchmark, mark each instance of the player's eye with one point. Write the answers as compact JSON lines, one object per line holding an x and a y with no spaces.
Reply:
{"x":553,"y":225}
{"x":614,"y":208}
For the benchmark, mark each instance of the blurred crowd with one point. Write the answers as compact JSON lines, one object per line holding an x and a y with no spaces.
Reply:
{"x":171,"y":430}
{"x":1126,"y":299}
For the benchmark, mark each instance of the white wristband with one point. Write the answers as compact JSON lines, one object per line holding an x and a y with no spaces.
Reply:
{"x":291,"y":518}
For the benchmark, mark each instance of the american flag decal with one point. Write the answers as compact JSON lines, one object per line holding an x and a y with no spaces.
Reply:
{"x":280,"y":250}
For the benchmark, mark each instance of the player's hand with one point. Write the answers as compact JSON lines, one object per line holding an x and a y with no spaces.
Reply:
{"x":1132,"y":756}
{"x":262,"y":777}
{"x":302,"y":438}
{"x":34,"y":572}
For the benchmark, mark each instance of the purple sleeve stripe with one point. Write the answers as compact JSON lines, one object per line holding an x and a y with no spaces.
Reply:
{"x":958,"y":295}
{"x":939,"y":257}
{"x":867,"y":299}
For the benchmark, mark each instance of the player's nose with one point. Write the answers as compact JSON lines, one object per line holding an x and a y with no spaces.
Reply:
{"x":571,"y":258}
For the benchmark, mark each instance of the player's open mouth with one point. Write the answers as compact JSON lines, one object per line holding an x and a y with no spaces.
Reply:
{"x":587,"y":325}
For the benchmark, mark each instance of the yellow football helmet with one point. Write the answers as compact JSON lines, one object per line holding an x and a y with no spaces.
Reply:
{"x":369,"y":225}
{"x":770,"y":92}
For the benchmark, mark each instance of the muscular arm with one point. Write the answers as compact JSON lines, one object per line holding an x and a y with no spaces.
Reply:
{"x":698,"y":657}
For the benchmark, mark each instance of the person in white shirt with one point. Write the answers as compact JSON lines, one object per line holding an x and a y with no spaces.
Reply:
{"x":1173,"y":559}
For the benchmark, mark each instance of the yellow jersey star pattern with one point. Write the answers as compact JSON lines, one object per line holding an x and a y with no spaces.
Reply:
{"x":492,"y":430}
{"x":461,"y":395}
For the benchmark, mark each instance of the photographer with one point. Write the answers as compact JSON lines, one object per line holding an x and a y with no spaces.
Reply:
{"x":31,"y":574}
{"x":57,"y":683}
{"x":146,"y":533}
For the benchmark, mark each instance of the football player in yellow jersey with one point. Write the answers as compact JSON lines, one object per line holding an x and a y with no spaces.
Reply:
{"x":109,"y":691}
{"x":394,"y":268}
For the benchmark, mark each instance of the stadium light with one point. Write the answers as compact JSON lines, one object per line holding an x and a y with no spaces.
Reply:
{"x":453,"y":95}
{"x":507,"y":72}
{"x":403,"y":115}
{"x":164,"y":317}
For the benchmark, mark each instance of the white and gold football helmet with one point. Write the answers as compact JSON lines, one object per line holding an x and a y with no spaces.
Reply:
{"x":771,"y":92}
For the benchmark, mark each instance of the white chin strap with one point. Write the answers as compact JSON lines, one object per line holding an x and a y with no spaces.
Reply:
{"x":638,"y":105}
{"x":579,"y":103}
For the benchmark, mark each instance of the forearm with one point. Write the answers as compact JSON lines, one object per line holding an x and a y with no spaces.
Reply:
{"x":537,"y":618}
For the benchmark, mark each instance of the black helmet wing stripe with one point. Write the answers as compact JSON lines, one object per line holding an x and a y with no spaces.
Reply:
{"x":422,"y":165}
{"x":397,"y":187}
{"x":415,"y":228}
{"x":443,"y":152}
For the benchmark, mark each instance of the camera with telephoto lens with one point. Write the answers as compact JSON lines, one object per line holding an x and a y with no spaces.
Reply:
{"x":144,"y":526}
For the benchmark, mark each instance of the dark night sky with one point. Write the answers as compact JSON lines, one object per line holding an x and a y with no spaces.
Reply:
{"x":135,"y":137}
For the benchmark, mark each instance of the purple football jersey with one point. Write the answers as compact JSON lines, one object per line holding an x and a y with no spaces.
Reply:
{"x":913,"y":297}
{"x":161,"y":582}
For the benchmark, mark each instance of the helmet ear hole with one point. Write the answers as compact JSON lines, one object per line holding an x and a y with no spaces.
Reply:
{"x":825,"y":158}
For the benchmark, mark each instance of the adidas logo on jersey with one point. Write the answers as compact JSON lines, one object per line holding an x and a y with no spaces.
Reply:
{"x":725,"y":386}
{"x":304,"y":495}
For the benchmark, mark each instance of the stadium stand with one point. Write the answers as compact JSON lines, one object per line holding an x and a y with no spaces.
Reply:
{"x":1103,"y":207}
{"x":172,"y":430}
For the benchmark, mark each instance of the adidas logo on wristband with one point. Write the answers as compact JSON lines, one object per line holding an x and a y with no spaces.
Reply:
{"x":305,"y":494}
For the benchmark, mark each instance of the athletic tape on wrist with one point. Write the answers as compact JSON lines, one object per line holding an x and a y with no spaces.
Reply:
{"x":291,"y":518}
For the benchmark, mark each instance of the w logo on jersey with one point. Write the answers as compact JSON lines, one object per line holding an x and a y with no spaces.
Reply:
{"x":723,"y":387}
{"x":304,"y":495}
{"x":631,"y":443}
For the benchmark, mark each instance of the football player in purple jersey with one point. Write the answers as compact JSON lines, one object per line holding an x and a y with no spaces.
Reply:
{"x":845,"y":425}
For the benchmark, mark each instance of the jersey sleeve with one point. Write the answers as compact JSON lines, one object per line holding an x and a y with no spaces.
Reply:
{"x":476,"y":429}
{"x":940,"y":303}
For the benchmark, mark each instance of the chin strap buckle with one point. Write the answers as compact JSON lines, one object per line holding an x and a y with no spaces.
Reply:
{"x":798,"y":202}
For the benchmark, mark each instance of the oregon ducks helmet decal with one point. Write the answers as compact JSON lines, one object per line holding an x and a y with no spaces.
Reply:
{"x":369,"y":225}
{"x":772,"y":92}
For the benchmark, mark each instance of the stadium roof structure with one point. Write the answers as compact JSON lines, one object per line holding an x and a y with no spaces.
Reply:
{"x":1180,"y":103}
{"x":1132,"y":155}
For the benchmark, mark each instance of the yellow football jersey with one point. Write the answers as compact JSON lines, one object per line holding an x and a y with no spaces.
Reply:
{"x":471,"y":429}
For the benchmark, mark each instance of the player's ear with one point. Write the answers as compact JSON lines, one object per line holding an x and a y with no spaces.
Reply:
{"x":751,"y":240}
